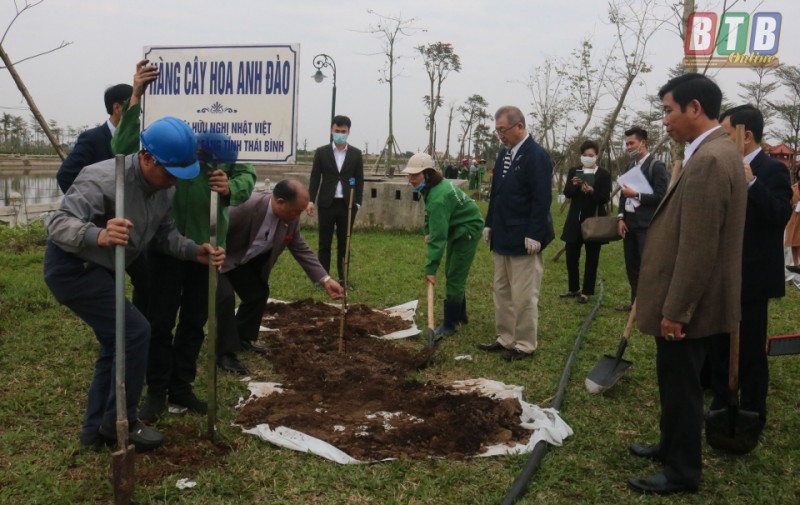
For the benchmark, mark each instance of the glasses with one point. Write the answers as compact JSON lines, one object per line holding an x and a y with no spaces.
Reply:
{"x":503,"y":131}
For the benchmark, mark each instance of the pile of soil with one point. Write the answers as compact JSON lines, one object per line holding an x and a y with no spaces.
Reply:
{"x":363,"y":400}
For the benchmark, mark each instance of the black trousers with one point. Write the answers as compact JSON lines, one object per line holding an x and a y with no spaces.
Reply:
{"x":573,"y":250}
{"x":179,"y":291}
{"x":334,"y":219}
{"x":633,"y":247}
{"x":678,"y":366}
{"x":753,"y":366}
{"x":251,"y":282}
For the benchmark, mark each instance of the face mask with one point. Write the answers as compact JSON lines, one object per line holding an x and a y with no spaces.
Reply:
{"x":420,"y":187}
{"x":635,"y":154}
{"x":339,"y":138}
{"x":588,"y":161}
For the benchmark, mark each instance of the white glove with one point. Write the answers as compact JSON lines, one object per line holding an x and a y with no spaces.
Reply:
{"x":532,"y":246}
{"x":487,"y":232}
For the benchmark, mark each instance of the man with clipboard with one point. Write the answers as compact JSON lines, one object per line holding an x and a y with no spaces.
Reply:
{"x":643,"y":185}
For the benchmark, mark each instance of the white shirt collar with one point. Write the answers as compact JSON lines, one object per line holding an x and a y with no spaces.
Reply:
{"x":515,"y":149}
{"x":691,"y":148}
{"x":641,"y":161}
{"x":749,"y":157}
{"x":111,"y":126}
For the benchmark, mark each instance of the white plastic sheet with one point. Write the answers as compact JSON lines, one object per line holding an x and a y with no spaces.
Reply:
{"x":545,"y":424}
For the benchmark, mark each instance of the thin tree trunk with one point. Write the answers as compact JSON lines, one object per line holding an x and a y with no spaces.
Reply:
{"x":28,"y":98}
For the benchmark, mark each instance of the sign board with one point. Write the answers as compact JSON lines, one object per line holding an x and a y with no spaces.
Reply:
{"x":246,"y":92}
{"x":735,"y":39}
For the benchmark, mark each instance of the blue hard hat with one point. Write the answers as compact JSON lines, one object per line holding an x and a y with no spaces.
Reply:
{"x":216,"y":148}
{"x":174,"y":145}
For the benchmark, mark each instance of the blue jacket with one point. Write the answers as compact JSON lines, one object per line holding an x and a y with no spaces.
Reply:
{"x":93,"y":145}
{"x":519,"y":205}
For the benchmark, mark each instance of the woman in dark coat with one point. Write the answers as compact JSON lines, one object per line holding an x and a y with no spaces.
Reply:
{"x":589,"y":190}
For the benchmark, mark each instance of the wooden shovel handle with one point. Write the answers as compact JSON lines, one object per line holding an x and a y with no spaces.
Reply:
{"x":430,"y":305}
{"x":733,"y":364}
{"x":631,"y":318}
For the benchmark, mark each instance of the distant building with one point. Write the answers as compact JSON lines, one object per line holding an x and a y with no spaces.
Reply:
{"x":784,"y":154}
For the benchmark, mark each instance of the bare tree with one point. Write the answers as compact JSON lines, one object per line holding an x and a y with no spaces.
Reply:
{"x":635,"y":22}
{"x":440,"y":59}
{"x":587,"y":80}
{"x":451,"y":108}
{"x":389,"y":29}
{"x":10,"y":66}
{"x":551,"y":103}
{"x":473,"y":110}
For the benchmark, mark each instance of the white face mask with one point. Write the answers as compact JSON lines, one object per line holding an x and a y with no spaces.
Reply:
{"x":588,"y":161}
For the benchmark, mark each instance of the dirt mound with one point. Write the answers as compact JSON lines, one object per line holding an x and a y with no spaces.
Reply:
{"x":363,"y":400}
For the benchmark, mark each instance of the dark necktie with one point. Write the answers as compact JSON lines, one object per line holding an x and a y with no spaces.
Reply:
{"x":507,"y":162}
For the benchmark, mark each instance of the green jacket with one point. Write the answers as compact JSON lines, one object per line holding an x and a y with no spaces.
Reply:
{"x":192,"y":203}
{"x":449,"y":215}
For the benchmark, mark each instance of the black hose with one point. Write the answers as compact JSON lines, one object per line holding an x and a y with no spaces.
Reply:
{"x":540,"y":449}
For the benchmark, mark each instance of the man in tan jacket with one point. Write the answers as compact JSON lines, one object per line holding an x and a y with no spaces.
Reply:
{"x":690,"y":281}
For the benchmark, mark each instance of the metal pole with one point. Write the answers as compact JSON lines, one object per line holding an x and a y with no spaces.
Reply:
{"x":212,"y":317}
{"x":122,"y":460}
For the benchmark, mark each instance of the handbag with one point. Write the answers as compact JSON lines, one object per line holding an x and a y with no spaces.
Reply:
{"x":600,"y":228}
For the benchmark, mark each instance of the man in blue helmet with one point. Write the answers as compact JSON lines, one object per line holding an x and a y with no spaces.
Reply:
{"x":178,"y":289}
{"x":79,"y":262}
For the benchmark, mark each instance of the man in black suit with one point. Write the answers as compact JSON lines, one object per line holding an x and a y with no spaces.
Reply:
{"x":338,"y":168}
{"x":636,"y":208}
{"x":94,"y":145}
{"x":769,"y":206}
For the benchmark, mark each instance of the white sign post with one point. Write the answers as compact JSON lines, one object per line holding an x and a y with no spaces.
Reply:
{"x":246,"y":92}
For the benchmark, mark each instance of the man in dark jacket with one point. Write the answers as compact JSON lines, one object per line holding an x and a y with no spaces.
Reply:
{"x":769,"y":206}
{"x":636,"y":207}
{"x":518,"y":227}
{"x":335,"y":167}
{"x":94,"y":145}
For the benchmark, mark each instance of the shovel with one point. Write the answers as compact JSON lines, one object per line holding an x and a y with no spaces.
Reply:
{"x":214,"y":148}
{"x":609,"y":369}
{"x":731,"y":429}
{"x":346,"y":265}
{"x":122,"y":459}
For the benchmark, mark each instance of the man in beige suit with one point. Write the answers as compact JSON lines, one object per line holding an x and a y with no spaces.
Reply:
{"x":690,"y":280}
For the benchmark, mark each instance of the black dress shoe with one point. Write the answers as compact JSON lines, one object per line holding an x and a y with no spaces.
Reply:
{"x":659,"y":484}
{"x":583,"y":299}
{"x":793,"y":268}
{"x":492,"y":347}
{"x":143,"y":437}
{"x":570,"y":294}
{"x":646,"y":451}
{"x":230,"y":363}
{"x":249,"y":345}
{"x":516,"y":355}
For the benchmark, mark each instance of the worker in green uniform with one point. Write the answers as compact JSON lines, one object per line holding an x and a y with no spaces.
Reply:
{"x":453,"y":223}
{"x":178,"y":290}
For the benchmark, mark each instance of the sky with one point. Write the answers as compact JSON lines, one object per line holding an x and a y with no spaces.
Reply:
{"x":499,"y":42}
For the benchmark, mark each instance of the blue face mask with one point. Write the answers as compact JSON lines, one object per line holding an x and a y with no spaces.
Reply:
{"x":339,"y":138}
{"x":420,"y":187}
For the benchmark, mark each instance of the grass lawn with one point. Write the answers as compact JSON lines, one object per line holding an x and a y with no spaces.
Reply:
{"x":47,"y":356}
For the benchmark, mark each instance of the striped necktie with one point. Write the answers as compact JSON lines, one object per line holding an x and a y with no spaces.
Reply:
{"x":507,"y":162}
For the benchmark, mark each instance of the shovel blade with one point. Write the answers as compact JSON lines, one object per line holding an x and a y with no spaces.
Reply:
{"x":733,"y":430}
{"x":605,"y":374}
{"x":123,"y":476}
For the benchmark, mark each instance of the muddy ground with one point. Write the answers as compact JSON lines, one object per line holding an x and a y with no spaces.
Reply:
{"x":366,"y":400}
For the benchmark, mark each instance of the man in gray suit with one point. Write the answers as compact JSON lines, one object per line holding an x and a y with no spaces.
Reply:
{"x":260,"y":230}
{"x":691,"y":275}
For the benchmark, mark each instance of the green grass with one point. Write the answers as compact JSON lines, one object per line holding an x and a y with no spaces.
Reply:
{"x":47,"y":355}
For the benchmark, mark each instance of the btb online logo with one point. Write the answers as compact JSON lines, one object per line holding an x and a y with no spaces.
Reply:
{"x":737,"y":39}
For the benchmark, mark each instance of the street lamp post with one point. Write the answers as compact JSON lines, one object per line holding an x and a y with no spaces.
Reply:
{"x":321,"y":61}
